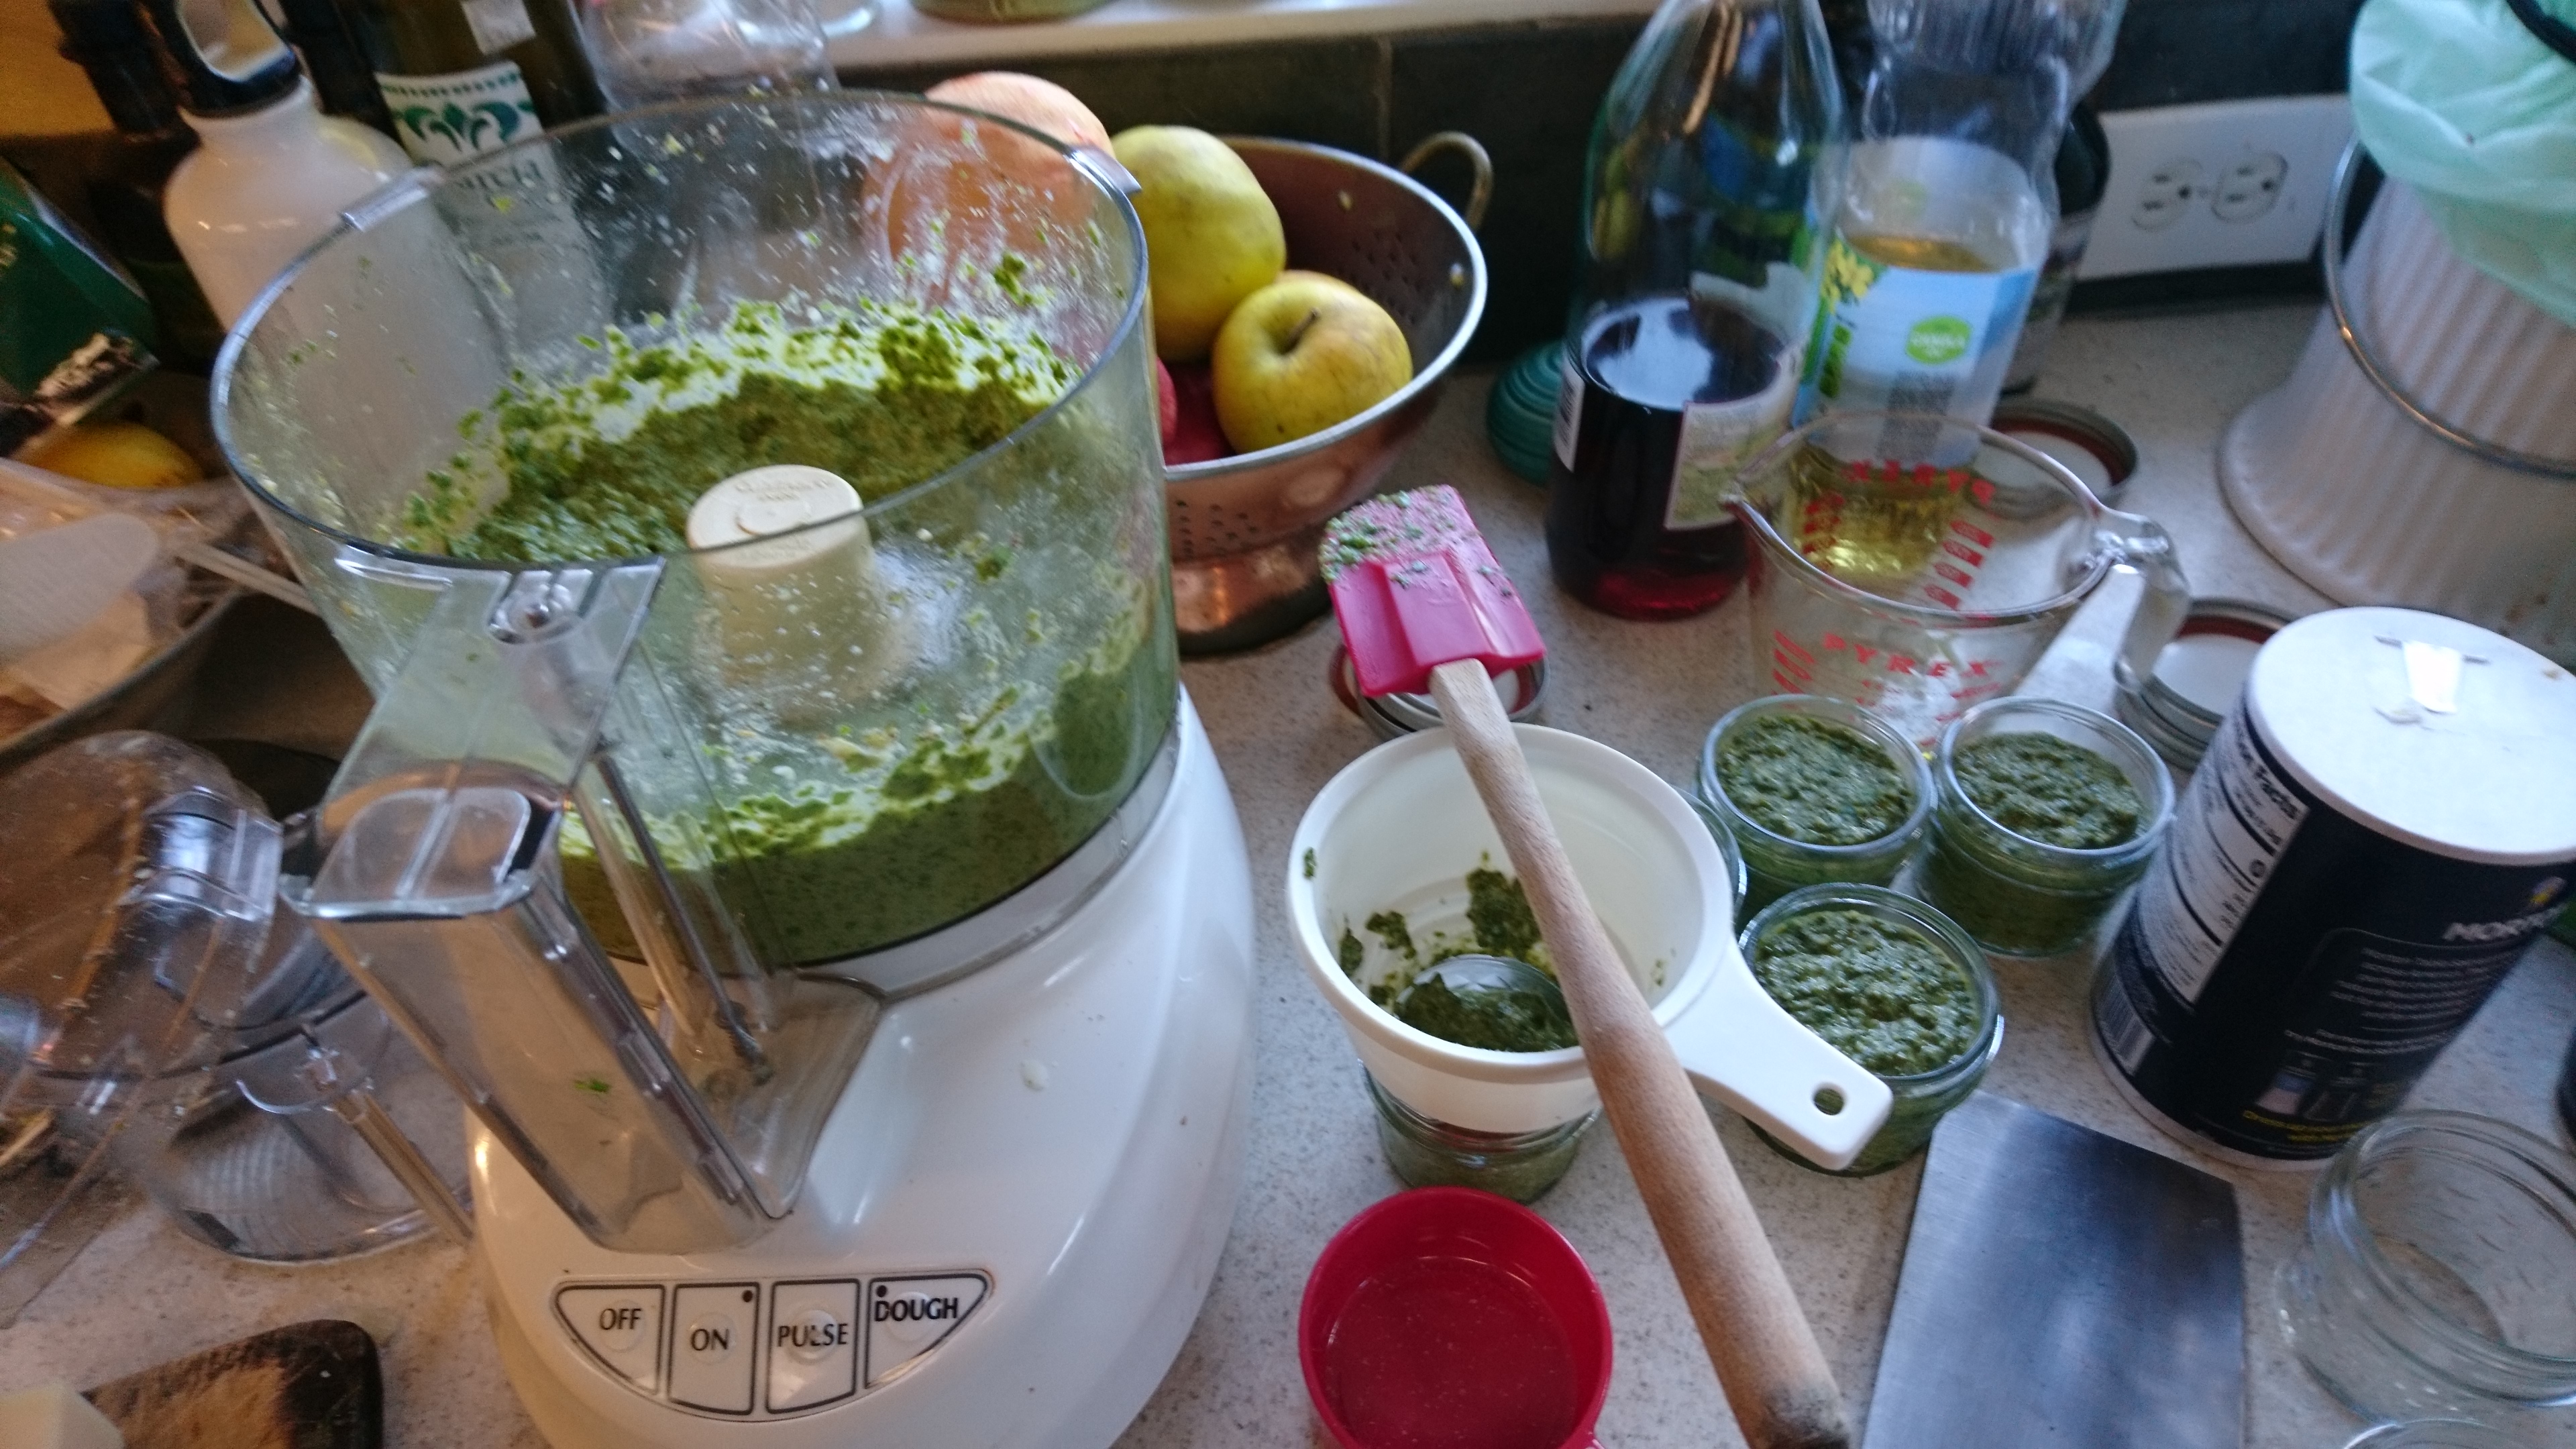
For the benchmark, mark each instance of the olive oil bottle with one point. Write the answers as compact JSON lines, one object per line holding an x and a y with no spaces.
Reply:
{"x":1951,"y":201}
{"x":462,"y":77}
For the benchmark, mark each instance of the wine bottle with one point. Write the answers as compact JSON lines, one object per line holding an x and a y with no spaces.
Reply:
{"x":462,"y":77}
{"x":1711,"y":174}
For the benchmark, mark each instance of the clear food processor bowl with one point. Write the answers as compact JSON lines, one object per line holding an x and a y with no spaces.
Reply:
{"x":790,"y":759}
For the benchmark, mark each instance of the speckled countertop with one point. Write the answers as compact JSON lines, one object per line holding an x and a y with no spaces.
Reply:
{"x":141,"y":1293}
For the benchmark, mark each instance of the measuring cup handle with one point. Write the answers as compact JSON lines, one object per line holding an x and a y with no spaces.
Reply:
{"x":1741,"y":1048}
{"x":2142,"y":546}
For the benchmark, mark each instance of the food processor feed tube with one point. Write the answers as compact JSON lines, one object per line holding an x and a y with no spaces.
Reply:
{"x":1951,"y":202}
{"x":656,"y":996}
{"x":1710,"y":179}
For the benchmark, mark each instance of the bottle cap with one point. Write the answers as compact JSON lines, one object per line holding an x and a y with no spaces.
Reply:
{"x":244,"y":68}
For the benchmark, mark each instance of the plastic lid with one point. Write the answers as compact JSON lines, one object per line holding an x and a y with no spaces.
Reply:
{"x":245,"y":67}
{"x":2436,"y":732}
{"x":134,"y":899}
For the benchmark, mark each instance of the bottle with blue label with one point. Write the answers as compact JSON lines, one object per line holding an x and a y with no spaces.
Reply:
{"x":1950,"y":202}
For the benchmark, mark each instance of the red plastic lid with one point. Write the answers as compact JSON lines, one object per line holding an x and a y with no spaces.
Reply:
{"x":1447,"y":1318}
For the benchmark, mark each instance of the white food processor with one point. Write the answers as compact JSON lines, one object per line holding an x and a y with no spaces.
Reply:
{"x":836,"y":924}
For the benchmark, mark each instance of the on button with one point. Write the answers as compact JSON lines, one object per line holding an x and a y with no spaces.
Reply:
{"x":711,"y":1345}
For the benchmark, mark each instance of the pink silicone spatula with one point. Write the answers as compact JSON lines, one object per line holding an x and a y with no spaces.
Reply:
{"x":1420,"y":599}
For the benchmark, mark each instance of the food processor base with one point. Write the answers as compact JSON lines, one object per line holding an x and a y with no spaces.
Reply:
{"x":1008,"y":1227}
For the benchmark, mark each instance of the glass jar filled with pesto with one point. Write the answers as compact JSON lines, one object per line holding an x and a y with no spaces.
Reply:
{"x":1894,"y":985}
{"x":1814,"y":791}
{"x":2043,"y":814}
{"x":1521,"y":1166}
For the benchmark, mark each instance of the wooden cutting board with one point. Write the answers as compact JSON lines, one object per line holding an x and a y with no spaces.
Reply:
{"x":305,"y":1386}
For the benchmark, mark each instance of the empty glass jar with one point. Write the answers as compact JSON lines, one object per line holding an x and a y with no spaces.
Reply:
{"x":2438,"y":1279}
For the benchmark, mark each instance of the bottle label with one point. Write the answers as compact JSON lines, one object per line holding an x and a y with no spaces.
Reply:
{"x":444,"y":119}
{"x":498,"y":24}
{"x":1895,"y":339}
{"x":1569,"y":409}
{"x":1717,"y":439}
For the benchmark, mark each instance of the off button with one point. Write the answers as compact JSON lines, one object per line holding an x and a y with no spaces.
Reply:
{"x":813,"y":1343}
{"x":712,"y":1348}
{"x":621,"y":1326}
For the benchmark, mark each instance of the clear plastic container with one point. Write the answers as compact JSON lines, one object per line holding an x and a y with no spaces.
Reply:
{"x":1521,"y":1166}
{"x":2438,"y":1278}
{"x":1924,"y":1098}
{"x":2025,"y":897}
{"x":1776,"y":863}
{"x":2434,"y":1434}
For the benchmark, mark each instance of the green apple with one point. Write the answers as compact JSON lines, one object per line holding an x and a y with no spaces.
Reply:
{"x":1212,"y":237}
{"x":1300,"y":355}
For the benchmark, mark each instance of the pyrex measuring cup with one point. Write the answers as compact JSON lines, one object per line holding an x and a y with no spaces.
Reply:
{"x":1918,"y":564}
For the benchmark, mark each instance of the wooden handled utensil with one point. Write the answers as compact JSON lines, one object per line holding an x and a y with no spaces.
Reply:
{"x":1423,"y":604}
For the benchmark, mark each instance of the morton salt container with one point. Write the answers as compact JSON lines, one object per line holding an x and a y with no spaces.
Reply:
{"x":2382,"y":825}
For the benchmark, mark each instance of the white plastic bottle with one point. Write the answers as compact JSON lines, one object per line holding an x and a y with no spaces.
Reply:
{"x":273,"y":173}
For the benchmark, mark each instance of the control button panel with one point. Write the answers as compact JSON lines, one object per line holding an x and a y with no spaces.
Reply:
{"x":908,"y":1317}
{"x":621,"y":1325}
{"x":713,"y":1345}
{"x":768,"y":1349}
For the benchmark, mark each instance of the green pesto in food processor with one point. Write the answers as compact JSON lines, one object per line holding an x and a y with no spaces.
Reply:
{"x":831,"y":840}
{"x":608,"y":467}
{"x":1879,"y":992}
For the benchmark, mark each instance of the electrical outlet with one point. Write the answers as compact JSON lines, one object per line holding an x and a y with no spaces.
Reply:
{"x":2230,"y":183}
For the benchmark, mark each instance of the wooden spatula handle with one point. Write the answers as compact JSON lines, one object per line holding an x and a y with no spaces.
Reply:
{"x":1767,"y":1360}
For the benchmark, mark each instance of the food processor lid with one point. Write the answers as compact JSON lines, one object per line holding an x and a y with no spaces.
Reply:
{"x":135,"y":899}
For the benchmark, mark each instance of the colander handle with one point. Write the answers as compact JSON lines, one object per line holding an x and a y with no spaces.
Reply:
{"x":1480,"y":190}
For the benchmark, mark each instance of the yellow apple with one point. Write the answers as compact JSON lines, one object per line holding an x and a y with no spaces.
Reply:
{"x":1211,"y":237}
{"x":1300,"y":355}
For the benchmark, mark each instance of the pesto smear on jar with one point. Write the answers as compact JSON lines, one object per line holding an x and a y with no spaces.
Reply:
{"x":1880,"y":992}
{"x":2050,"y":790}
{"x":1813,"y":780}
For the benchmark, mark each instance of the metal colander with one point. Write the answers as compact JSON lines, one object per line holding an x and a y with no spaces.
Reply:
{"x":1245,"y":530}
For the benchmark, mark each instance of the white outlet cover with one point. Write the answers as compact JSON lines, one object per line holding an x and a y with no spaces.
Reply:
{"x":2252,"y":177}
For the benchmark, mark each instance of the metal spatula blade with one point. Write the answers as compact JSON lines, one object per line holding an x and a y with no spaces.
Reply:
{"x":2062,"y":1290}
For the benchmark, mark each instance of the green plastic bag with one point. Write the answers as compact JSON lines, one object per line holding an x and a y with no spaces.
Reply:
{"x":2460,"y":100}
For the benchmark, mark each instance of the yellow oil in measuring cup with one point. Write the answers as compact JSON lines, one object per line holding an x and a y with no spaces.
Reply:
{"x":1879,"y":525}
{"x":1917,"y":564}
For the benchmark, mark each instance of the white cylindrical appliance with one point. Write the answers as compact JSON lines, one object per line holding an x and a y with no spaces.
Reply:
{"x":2351,"y":481}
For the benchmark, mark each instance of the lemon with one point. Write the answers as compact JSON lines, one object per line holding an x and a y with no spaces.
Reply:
{"x":117,"y":455}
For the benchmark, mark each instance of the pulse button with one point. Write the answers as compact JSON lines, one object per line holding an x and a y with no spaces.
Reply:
{"x":813,"y":1343}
